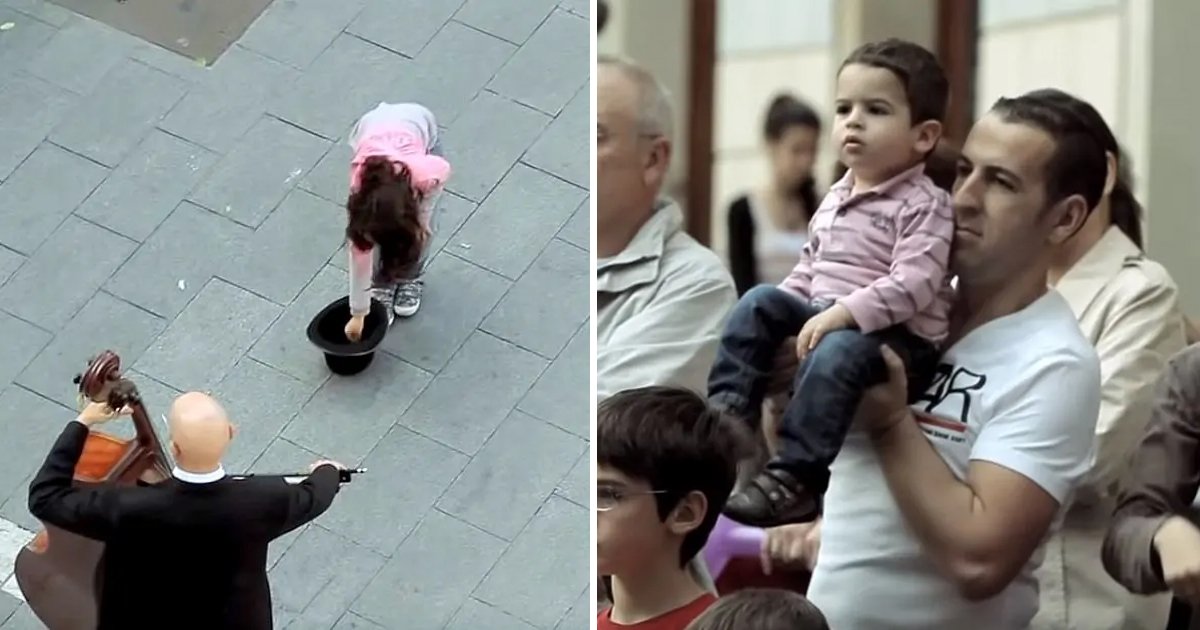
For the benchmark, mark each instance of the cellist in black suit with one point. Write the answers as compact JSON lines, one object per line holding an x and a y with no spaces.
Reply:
{"x":190,"y":552}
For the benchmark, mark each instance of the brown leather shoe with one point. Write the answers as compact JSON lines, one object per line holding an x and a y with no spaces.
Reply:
{"x":773,"y":498}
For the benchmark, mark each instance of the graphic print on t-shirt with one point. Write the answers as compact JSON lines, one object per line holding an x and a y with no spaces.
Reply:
{"x":944,"y":408}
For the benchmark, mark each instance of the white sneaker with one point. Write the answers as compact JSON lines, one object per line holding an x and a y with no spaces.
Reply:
{"x":408,"y":297}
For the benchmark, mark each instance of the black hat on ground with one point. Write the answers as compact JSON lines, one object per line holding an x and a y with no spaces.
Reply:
{"x":327,"y":331}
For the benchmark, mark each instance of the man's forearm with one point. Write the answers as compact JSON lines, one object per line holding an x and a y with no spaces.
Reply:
{"x":942,"y":510}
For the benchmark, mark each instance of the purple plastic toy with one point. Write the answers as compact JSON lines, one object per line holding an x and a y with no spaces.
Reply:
{"x":730,"y":540}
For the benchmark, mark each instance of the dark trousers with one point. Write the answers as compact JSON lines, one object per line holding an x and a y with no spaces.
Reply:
{"x":828,"y":386}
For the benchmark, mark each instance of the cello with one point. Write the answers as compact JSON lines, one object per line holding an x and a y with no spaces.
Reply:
{"x":58,"y":571}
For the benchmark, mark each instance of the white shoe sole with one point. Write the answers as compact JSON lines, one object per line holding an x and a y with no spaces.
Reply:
{"x":405,"y":311}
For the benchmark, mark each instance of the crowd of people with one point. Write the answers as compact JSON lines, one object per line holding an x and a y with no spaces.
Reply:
{"x":967,"y":401}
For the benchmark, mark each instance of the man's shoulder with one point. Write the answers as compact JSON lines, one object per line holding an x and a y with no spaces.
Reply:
{"x":684,"y":258}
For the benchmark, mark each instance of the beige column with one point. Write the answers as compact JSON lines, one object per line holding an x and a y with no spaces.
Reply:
{"x":656,"y":34}
{"x":1162,"y":127}
{"x":861,"y":21}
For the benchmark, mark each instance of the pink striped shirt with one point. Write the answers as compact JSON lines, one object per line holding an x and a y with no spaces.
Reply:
{"x":882,"y":253}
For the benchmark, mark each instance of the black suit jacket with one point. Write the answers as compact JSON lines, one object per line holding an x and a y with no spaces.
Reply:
{"x":191,"y":555}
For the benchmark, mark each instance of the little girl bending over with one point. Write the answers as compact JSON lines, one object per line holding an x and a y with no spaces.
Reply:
{"x":395,"y":175}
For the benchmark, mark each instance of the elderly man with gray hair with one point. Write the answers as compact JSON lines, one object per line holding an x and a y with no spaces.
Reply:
{"x":662,"y":298}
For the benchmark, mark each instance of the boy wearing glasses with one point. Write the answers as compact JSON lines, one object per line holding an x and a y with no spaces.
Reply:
{"x":666,"y":462}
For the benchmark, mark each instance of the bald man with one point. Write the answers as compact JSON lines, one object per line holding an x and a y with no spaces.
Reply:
{"x":188,"y":553}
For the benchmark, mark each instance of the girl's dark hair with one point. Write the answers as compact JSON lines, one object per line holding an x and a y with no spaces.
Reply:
{"x":761,"y":609}
{"x":1078,"y":129}
{"x":385,"y":212}
{"x":787,"y":111}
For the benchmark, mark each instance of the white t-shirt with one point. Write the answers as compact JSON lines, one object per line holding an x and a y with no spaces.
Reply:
{"x":1022,"y":391}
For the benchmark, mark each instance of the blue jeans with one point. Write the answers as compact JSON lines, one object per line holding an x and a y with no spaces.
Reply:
{"x":828,"y":386}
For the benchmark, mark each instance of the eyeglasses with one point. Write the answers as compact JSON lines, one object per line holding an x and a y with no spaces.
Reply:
{"x":609,"y":498}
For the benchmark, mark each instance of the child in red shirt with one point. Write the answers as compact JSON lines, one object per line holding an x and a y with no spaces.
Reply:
{"x":666,"y":464}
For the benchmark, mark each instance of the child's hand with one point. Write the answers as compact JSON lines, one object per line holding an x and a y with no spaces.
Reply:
{"x":833,"y":318}
{"x":354,"y":327}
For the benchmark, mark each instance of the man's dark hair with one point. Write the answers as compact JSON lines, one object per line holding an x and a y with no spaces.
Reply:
{"x":924,"y":81}
{"x":1078,"y":165}
{"x":671,"y":439}
{"x":1125,"y":209}
{"x":761,"y":609}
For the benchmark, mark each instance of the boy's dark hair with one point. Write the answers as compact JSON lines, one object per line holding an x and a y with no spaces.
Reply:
{"x":1125,"y":209}
{"x":1078,"y":165}
{"x":918,"y":70}
{"x":385,"y":212}
{"x":761,"y":609}
{"x":787,"y":111}
{"x":670,"y":438}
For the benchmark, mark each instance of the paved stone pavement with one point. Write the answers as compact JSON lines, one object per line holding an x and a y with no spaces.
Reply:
{"x":189,"y":219}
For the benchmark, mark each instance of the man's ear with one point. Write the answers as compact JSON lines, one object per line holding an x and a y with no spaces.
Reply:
{"x":688,"y":514}
{"x":1068,"y":217}
{"x":658,"y":162}
{"x":928,"y":134}
{"x":1111,"y":180}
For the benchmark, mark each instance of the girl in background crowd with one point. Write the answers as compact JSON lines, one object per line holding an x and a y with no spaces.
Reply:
{"x":767,"y":228}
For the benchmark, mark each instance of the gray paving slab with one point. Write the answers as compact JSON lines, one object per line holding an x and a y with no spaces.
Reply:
{"x":370,"y":403}
{"x":32,"y":107}
{"x":543,"y":294}
{"x":64,"y":273}
{"x":542,"y":73}
{"x":475,"y":57}
{"x":473,"y":394}
{"x":39,"y":195}
{"x":45,"y":11}
{"x":229,"y":99}
{"x":513,"y":21}
{"x":112,"y":119}
{"x":8,"y":605}
{"x":576,"y":485}
{"x":450,"y":213}
{"x":259,"y":171}
{"x":548,"y":546}
{"x":578,"y":229}
{"x":116,"y":324}
{"x":332,"y":94}
{"x":23,"y":619}
{"x":476,"y":614}
{"x":297,"y":32}
{"x":285,"y":346}
{"x":30,"y":423}
{"x":433,"y":555}
{"x":512,"y":475}
{"x":581,"y":8}
{"x":422,"y":20}
{"x":261,"y":401}
{"x":21,"y":41}
{"x":557,"y":150}
{"x":580,"y":614}
{"x":382,"y":510}
{"x":191,"y":217}
{"x":206,"y":340}
{"x":80,"y":55}
{"x":288,"y":249}
{"x":10,"y":261}
{"x":178,"y":260}
{"x":515,"y":222}
{"x":148,"y":185}
{"x":322,"y":575}
{"x":22,"y":342}
{"x":461,"y":294}
{"x":351,"y":621}
{"x":477,"y":169}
